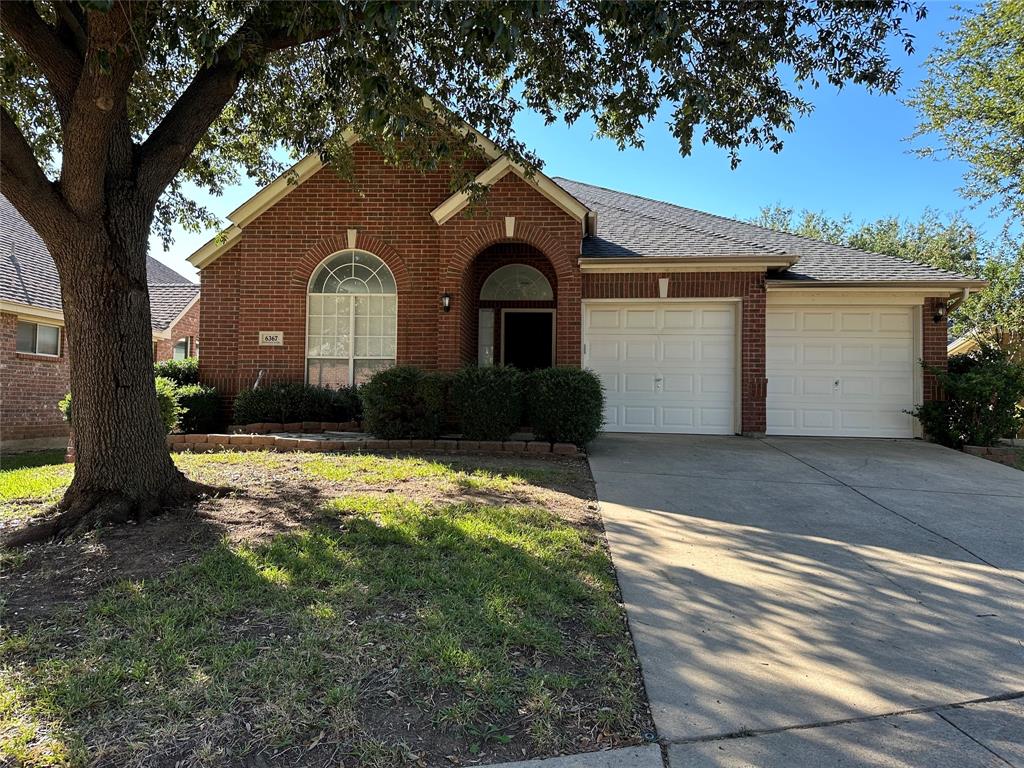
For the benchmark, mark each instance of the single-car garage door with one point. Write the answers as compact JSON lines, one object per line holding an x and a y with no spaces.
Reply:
{"x":845,"y":371}
{"x":666,"y":367}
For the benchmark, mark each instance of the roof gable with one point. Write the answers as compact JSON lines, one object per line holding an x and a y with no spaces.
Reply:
{"x":28,"y":276}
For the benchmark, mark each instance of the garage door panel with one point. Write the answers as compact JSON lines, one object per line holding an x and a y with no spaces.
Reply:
{"x":640,"y":319}
{"x":673,"y":365}
{"x":840,"y":371}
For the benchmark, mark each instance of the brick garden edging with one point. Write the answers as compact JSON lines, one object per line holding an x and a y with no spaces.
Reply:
{"x":305,"y":427}
{"x":211,"y":443}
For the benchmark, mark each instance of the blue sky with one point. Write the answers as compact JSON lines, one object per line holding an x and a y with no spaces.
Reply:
{"x":851,"y":155}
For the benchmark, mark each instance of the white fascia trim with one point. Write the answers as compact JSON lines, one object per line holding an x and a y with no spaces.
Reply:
{"x":497,"y":171}
{"x":55,"y":317}
{"x":943,"y":288}
{"x":181,"y":314}
{"x":216,"y":247}
{"x":962,"y":345}
{"x":668,"y":265}
{"x":33,"y":314}
{"x":275,"y":190}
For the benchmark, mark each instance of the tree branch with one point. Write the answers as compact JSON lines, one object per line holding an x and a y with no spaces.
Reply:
{"x":171,"y":143}
{"x":60,"y":65}
{"x":23,"y":182}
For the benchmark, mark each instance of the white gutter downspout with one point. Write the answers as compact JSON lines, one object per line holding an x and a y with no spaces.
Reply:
{"x":954,"y":303}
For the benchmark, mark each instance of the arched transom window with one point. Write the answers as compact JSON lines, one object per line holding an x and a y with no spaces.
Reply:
{"x":352,"y":319}
{"x":516,"y":282}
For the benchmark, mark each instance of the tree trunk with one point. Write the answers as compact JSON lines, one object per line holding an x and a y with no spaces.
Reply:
{"x":123,"y":470}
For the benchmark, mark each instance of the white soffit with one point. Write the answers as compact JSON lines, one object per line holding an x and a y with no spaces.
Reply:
{"x":497,"y":171}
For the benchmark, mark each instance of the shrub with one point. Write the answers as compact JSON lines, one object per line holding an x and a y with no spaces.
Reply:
{"x":403,"y":402}
{"x":166,"y":395}
{"x":283,"y":403}
{"x":983,"y":391}
{"x":181,"y":372}
{"x":488,"y":401}
{"x":566,"y":405}
{"x":200,"y":408}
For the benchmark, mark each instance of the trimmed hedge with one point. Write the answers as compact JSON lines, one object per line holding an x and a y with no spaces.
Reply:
{"x":403,"y":403}
{"x":200,"y":409}
{"x":181,"y":372}
{"x":284,"y":403}
{"x":488,"y":401}
{"x":566,"y":405}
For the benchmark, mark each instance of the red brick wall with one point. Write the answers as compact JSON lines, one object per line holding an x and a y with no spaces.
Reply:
{"x":188,"y":325}
{"x":30,"y":387}
{"x":933,"y":345}
{"x":749,"y":287}
{"x":261,"y":283}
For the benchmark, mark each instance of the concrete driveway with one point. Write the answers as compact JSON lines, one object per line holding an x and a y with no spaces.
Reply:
{"x":834,"y":598}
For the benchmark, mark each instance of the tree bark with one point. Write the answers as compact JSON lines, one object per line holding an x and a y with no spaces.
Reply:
{"x":123,"y":470}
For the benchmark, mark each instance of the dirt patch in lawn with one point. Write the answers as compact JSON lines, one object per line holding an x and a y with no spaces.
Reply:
{"x":328,"y":610}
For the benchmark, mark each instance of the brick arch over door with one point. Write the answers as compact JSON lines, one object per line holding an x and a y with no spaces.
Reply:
{"x":315,"y":256}
{"x":456,"y":329}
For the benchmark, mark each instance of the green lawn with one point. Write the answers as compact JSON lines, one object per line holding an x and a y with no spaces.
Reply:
{"x":31,"y":479}
{"x":386,"y":630}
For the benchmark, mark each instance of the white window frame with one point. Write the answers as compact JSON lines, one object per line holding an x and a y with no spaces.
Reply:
{"x":352,"y":357}
{"x":60,"y":339}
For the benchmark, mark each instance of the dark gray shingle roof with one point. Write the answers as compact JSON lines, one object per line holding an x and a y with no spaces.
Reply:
{"x":169,"y":300}
{"x":28,"y":275}
{"x":629,"y":225}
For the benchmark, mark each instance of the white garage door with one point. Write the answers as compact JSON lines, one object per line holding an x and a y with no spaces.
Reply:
{"x":846,"y":371}
{"x":666,"y":367}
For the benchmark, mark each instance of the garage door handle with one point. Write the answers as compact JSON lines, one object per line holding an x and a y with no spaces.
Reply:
{"x":659,"y":383}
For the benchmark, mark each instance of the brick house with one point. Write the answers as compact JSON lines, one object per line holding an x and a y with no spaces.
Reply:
{"x":33,"y":352}
{"x":695,"y":322}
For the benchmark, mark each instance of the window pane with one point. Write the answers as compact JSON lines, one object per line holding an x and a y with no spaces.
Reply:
{"x":364,"y":369}
{"x":26,"y":337}
{"x":47,"y":339}
{"x":180,"y":350}
{"x":327,"y":373}
{"x":516,"y":281}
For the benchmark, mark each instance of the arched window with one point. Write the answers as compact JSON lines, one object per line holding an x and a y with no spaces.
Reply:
{"x":516,"y":282}
{"x":352,"y":319}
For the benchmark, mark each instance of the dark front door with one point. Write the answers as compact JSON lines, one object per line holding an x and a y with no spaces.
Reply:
{"x":527,"y":340}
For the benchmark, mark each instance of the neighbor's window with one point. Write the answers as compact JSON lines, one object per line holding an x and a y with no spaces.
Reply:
{"x":182,"y":349}
{"x":38,"y":339}
{"x":352,"y":319}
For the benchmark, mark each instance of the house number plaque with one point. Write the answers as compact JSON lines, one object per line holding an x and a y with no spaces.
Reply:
{"x":271,"y":339}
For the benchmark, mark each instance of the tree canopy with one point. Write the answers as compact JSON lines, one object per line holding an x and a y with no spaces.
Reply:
{"x":210,"y":90}
{"x":971,"y":104}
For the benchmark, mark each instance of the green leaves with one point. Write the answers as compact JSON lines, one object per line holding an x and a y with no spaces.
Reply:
{"x":971,"y":104}
{"x":303,"y":72}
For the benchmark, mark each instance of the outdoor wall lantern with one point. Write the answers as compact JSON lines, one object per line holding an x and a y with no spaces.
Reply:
{"x":940,"y":314}
{"x":446,"y":301}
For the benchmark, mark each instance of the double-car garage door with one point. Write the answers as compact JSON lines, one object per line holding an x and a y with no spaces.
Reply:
{"x":673,"y":367}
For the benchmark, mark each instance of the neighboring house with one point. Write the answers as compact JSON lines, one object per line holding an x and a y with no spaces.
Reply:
{"x":695,"y":322}
{"x":33,"y":352}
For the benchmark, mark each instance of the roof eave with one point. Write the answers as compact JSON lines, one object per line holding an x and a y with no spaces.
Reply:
{"x":955,"y":285}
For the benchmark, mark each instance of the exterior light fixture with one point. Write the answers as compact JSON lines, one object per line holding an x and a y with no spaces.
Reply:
{"x":940,"y":314}
{"x":446,"y":301}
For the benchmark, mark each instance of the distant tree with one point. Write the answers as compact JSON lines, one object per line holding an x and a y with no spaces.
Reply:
{"x":109,"y":108}
{"x":995,"y":314}
{"x":972,"y":103}
{"x":949,"y":242}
